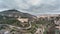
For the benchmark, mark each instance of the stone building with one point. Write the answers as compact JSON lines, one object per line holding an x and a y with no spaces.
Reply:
{"x":22,"y":19}
{"x":40,"y":30}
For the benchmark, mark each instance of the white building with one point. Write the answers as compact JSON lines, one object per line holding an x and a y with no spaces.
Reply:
{"x":58,"y":23}
{"x":40,"y":30}
{"x":23,"y":19}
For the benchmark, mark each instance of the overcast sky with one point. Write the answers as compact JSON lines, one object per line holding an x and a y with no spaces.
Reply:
{"x":34,"y":7}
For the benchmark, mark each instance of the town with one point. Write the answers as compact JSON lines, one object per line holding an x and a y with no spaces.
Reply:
{"x":15,"y":22}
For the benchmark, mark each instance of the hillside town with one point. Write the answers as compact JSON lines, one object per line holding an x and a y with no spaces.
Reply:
{"x":22,"y":23}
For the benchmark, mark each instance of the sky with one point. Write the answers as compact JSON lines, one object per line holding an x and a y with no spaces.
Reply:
{"x":35,"y":7}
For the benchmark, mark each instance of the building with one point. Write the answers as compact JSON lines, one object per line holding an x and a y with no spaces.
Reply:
{"x":58,"y":24}
{"x":4,"y":32}
{"x":22,"y":19}
{"x":40,"y":30}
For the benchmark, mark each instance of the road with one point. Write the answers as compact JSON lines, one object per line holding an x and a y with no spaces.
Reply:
{"x":18,"y":27}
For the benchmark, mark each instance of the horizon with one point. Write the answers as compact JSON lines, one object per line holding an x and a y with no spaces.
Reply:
{"x":30,"y":13}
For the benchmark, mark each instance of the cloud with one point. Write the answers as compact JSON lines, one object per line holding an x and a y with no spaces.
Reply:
{"x":35,"y":2}
{"x":20,"y":4}
{"x":32,"y":6}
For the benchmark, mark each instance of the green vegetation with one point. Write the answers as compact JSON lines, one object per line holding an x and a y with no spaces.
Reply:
{"x":10,"y":21}
{"x":35,"y":24}
{"x":2,"y":28}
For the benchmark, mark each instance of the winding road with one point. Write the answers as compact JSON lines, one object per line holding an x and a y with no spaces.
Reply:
{"x":18,"y":27}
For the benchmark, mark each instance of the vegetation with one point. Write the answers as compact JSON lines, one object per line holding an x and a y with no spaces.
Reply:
{"x":35,"y":24}
{"x":2,"y":28}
